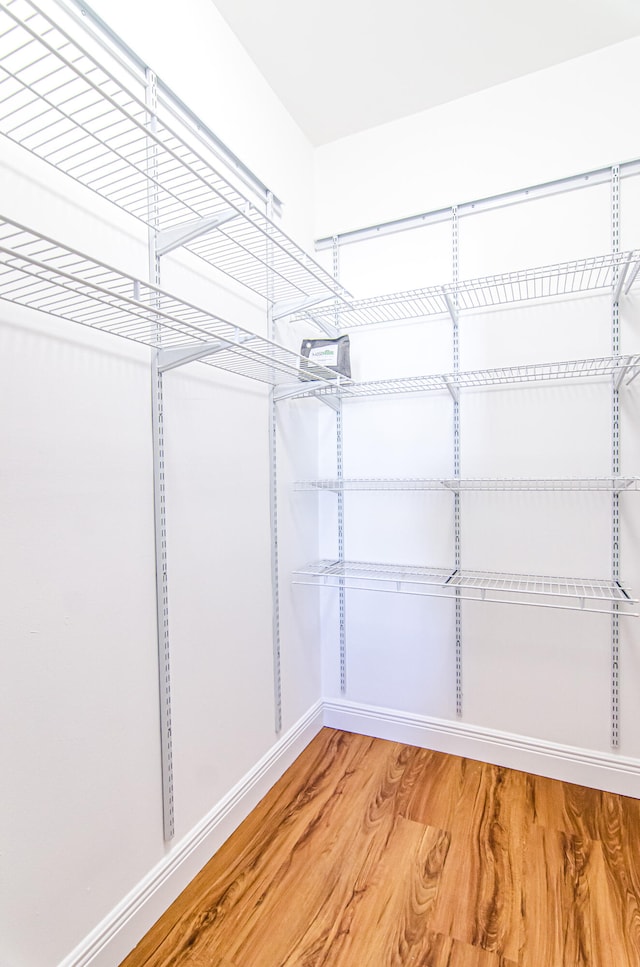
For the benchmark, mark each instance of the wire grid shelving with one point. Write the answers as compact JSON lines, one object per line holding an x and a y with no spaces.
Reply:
{"x":619,"y":368}
{"x":63,"y":106}
{"x":39,"y":273}
{"x":574,"y":594}
{"x":616,"y":273}
{"x":599,"y":484}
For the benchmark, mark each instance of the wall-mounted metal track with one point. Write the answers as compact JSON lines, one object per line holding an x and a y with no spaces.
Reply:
{"x":59,"y":103}
{"x":615,"y":463}
{"x":587,"y":179}
{"x":342,"y":592}
{"x":453,"y":306}
{"x":273,"y":506}
{"x":159,"y":490}
{"x":162,"y":603}
{"x":275,"y":564}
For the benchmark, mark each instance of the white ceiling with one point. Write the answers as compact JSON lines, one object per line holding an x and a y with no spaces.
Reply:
{"x":341,"y":66}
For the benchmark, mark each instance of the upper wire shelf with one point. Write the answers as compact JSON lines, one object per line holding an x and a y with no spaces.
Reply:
{"x":574,"y":594}
{"x":616,"y":273}
{"x":63,"y":106}
{"x":39,"y":273}
{"x":457,"y":484}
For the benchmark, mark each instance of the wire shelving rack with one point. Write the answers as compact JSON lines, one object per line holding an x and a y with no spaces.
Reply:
{"x":346,"y":485}
{"x":115,"y":133}
{"x":616,"y":273}
{"x":61,"y":105}
{"x":612,"y":277}
{"x":39,"y":273}
{"x":622,"y":369}
{"x":573,"y":594}
{"x":64,"y":107}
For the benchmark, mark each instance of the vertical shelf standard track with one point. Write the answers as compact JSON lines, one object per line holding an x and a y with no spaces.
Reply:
{"x":455,"y":240}
{"x":273,"y":504}
{"x":159,"y":503}
{"x":342,"y":593}
{"x":615,"y":469}
{"x":162,"y":603}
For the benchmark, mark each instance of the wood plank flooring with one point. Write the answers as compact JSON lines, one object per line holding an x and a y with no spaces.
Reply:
{"x":373,"y":854}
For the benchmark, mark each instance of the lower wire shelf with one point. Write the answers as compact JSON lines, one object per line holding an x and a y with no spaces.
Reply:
{"x":573,"y":594}
{"x":345,"y":484}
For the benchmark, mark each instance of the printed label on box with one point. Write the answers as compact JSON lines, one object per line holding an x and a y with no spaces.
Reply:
{"x":324,"y":355}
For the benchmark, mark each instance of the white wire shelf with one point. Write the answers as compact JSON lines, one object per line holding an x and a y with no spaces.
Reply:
{"x":619,"y":368}
{"x":602,"y":484}
{"x":61,"y":105}
{"x":39,"y":273}
{"x":574,"y":594}
{"x":616,"y":273}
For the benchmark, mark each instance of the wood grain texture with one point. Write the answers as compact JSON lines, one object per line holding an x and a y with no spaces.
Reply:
{"x":481,"y":885}
{"x":369,"y":852}
{"x":443,"y":951}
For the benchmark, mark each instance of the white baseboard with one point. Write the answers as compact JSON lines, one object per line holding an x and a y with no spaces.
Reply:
{"x":608,"y":771}
{"x":120,"y":931}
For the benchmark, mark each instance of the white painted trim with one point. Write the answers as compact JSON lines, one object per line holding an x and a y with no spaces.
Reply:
{"x":608,"y":771}
{"x":128,"y":922}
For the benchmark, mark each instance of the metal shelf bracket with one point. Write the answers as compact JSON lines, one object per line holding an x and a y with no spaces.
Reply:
{"x":286,"y":392}
{"x":453,"y":312}
{"x":622,"y":370}
{"x":333,"y":402}
{"x":173,"y":238}
{"x":622,"y":273}
{"x":172,"y":358}
{"x":286,"y":307}
{"x":453,"y":389}
{"x":632,"y":278}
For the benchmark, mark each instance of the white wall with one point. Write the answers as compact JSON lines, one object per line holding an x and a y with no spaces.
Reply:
{"x":81,"y":811}
{"x":555,"y":122}
{"x":81,"y":805}
{"x":539,"y":674}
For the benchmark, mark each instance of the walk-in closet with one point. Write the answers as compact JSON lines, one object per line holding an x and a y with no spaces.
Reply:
{"x":300,"y":432}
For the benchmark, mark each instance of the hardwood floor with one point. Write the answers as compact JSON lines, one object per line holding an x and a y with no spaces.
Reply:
{"x":373,"y":854}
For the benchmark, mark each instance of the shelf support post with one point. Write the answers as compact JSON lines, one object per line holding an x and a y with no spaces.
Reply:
{"x":273,"y":495}
{"x":162,"y":600}
{"x":342,"y":593}
{"x":615,"y":462}
{"x":159,"y":505}
{"x":453,"y":309}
